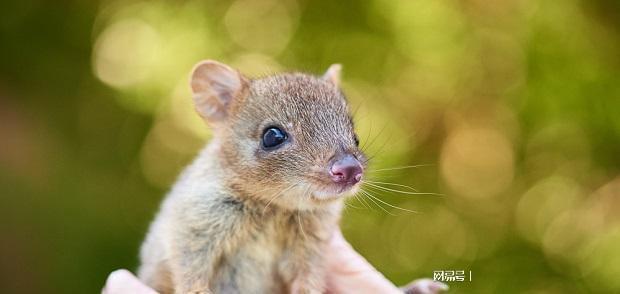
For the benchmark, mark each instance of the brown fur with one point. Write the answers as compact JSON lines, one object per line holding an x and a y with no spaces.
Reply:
{"x":244,"y":220}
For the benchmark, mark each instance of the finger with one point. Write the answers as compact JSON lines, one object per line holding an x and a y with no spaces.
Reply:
{"x":349,"y":272}
{"x":425,"y":286}
{"x":124,"y":282}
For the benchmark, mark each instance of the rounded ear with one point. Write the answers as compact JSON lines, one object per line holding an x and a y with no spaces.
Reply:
{"x":332,"y":74}
{"x":214,"y":85}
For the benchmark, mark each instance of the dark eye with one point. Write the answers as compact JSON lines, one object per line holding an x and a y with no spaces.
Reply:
{"x":357,"y":140}
{"x":272,"y":137}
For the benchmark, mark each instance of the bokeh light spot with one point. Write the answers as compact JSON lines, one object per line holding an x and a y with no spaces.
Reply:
{"x":542,"y":204}
{"x":477,"y":162}
{"x":124,"y":52}
{"x":262,"y":25}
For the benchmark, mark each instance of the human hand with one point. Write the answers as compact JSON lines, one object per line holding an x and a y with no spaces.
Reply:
{"x":123,"y":281}
{"x":348,"y":272}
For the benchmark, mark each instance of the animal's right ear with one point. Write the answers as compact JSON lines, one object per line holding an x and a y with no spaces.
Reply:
{"x":214,"y":86}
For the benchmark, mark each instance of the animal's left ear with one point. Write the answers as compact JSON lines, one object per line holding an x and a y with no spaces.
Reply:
{"x":214,"y":88}
{"x":332,"y":74}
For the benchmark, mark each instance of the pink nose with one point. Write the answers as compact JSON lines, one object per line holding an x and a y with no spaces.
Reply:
{"x":346,"y":170}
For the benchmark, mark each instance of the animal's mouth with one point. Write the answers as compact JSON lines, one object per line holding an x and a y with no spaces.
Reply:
{"x":342,"y":177}
{"x":334,"y":191}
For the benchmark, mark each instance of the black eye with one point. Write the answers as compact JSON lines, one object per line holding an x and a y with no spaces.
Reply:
{"x":357,"y":140}
{"x":273,"y":137}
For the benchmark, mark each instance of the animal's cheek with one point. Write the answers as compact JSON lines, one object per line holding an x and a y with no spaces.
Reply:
{"x":361,"y":157}
{"x":246,"y":147}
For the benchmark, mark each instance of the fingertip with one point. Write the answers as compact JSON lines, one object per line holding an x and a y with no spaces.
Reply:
{"x":425,"y":286}
{"x":123,"y":281}
{"x":120,"y":274}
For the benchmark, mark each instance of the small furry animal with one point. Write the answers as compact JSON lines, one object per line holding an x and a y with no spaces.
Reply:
{"x":253,"y":212}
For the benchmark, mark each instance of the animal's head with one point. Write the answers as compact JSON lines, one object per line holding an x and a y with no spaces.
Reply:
{"x":288,"y":139}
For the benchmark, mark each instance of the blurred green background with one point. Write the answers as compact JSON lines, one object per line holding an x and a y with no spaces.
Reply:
{"x":512,"y":106}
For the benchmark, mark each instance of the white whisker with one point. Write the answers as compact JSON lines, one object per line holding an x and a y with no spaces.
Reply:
{"x":401,"y":167}
{"x":392,"y":184}
{"x":351,"y":205}
{"x":360,"y":199}
{"x":371,"y":199}
{"x":277,"y":195}
{"x":390,"y":205}
{"x":399,"y":191}
{"x":301,"y":227}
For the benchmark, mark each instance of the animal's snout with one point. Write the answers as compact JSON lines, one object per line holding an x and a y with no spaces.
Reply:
{"x":346,"y":170}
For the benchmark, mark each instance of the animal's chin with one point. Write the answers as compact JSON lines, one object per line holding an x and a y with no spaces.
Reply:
{"x":334,"y":192}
